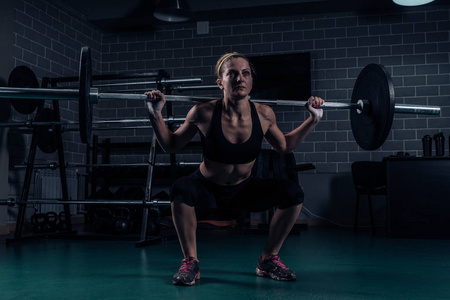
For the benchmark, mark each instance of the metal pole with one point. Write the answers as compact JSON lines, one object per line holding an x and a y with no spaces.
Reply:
{"x":179,"y":98}
{"x":12,"y":202}
{"x":417,"y":109}
{"x":31,"y":124}
{"x":148,"y":188}
{"x":163,"y":81}
{"x":62,"y":169}
{"x":178,"y":88}
{"x":195,"y":88}
{"x":39,"y":93}
{"x":53,"y":166}
{"x":27,"y":182}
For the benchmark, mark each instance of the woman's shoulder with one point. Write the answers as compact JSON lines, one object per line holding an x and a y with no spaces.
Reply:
{"x":205,"y":107}
{"x":263,"y":110}
{"x":203,"y":111}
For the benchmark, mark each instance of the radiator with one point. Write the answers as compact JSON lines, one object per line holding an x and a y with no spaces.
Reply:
{"x":48,"y":186}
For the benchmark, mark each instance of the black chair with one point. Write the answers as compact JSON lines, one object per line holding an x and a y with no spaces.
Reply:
{"x":369,"y":178}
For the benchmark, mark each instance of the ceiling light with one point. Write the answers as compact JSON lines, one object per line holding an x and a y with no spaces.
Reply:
{"x":412,"y":2}
{"x":173,"y":11}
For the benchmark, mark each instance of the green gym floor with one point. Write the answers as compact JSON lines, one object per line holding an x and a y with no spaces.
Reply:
{"x":330,"y":264}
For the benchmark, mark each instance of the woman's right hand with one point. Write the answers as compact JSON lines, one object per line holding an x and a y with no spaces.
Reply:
{"x":155,"y":102}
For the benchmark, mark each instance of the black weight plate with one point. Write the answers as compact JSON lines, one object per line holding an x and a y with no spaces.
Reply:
{"x":23,"y":77}
{"x":46,"y":136}
{"x":371,"y":129}
{"x":84,"y":104}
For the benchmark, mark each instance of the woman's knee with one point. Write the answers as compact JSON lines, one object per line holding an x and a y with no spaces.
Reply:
{"x":181,"y":191}
{"x":292,"y":195}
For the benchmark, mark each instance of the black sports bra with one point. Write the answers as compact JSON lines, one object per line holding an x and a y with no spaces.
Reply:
{"x":217,"y":148}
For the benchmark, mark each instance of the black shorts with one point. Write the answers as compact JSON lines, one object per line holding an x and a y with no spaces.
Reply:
{"x":253,"y":194}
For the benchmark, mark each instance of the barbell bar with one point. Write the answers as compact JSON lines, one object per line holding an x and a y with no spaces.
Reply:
{"x":178,"y":88}
{"x":32,"y":123}
{"x":163,"y":81}
{"x":154,"y":202}
{"x":372,"y":104}
{"x":54,"y":166}
{"x":95,"y":97}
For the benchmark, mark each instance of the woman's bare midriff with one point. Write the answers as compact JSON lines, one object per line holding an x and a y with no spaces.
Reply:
{"x":225,"y":174}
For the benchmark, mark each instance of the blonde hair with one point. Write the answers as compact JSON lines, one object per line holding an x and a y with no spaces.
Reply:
{"x":229,"y":56}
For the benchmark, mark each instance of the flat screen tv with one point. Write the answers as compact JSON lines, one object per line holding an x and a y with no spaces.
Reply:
{"x":282,"y":77}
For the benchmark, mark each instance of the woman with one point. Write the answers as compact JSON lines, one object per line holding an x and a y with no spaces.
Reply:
{"x":231,"y":130}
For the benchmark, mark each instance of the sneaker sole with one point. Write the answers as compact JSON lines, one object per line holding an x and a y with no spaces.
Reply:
{"x":262,"y":273}
{"x":193,"y":282}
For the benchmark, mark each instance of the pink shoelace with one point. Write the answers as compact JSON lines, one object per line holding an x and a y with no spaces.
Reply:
{"x":278,"y":262}
{"x":186,"y":265}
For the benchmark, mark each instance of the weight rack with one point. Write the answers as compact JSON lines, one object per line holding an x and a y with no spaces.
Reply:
{"x":30,"y":162}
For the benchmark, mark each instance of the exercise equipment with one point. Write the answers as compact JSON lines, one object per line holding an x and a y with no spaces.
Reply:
{"x":102,"y":220}
{"x":24,"y":77}
{"x":121,"y":223}
{"x":154,"y":216}
{"x":38,"y":221}
{"x":62,"y":227}
{"x":372,"y":104}
{"x":371,"y":129}
{"x":51,"y":222}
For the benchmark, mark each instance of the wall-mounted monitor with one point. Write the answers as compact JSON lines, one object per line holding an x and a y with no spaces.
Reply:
{"x":283,"y":77}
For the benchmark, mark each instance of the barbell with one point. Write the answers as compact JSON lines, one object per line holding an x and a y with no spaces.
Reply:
{"x":372,"y":104}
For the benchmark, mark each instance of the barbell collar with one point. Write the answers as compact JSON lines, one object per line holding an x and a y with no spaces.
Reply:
{"x":364,"y":106}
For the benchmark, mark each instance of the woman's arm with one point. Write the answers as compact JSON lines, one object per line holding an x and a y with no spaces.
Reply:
{"x":169,"y":141}
{"x":285,"y":143}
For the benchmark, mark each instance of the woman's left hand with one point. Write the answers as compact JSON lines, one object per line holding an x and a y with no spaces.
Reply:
{"x":313,"y":106}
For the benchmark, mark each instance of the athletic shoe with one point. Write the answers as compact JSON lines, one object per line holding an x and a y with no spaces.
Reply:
{"x":274,"y":268}
{"x":189,"y":272}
